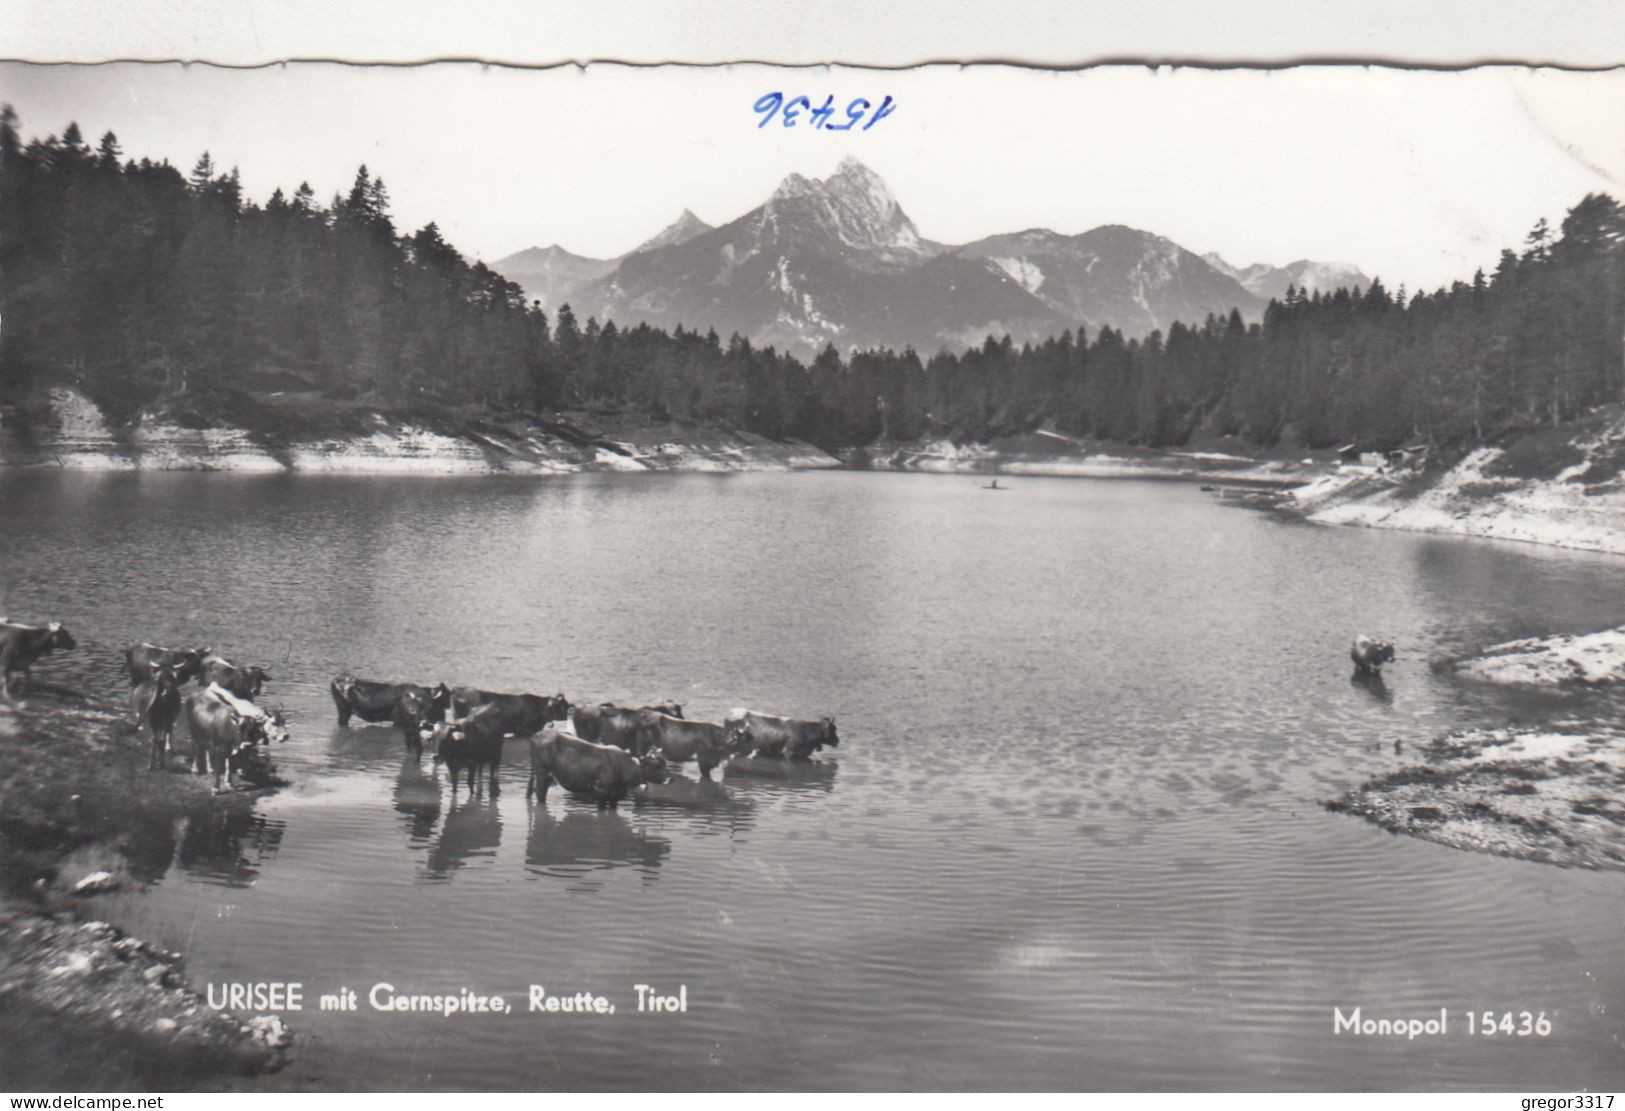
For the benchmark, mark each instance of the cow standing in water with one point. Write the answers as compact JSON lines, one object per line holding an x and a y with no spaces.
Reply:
{"x":704,"y":742}
{"x":1369,"y":655}
{"x":589,"y":720}
{"x":604,"y":772}
{"x":223,"y":739}
{"x":405,"y":705}
{"x":755,"y":734}
{"x":157,"y":702}
{"x":22,"y":645}
{"x":473,"y":742}
{"x":521,"y":714}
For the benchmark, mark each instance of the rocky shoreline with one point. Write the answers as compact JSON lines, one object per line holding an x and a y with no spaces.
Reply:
{"x":1549,"y":796}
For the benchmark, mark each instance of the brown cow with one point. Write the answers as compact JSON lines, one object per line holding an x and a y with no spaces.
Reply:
{"x":21,"y":646}
{"x":756,"y":734}
{"x":588,"y":720}
{"x":523,"y":714}
{"x":604,"y":772}
{"x":242,"y":681}
{"x":704,"y":742}
{"x":157,"y":702}
{"x":223,"y":740}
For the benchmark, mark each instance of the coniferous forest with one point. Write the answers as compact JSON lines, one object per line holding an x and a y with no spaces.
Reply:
{"x":136,"y":282}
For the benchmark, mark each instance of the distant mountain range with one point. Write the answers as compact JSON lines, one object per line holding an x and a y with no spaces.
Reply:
{"x":838,"y":261}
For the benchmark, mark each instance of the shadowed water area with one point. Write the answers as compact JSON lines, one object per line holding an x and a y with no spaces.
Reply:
{"x":1072,"y":836}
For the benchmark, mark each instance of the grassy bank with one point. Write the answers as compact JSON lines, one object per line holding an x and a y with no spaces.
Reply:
{"x":83,"y":1006}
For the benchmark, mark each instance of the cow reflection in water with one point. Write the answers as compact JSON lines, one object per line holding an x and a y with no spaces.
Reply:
{"x":1372,"y":683}
{"x":228,"y":844}
{"x":148,"y":847}
{"x":418,"y":798}
{"x":775,"y":773}
{"x":586,"y":839}
{"x":473,"y":828}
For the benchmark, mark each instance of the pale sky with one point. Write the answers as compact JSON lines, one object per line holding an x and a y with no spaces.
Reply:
{"x":1416,"y":176}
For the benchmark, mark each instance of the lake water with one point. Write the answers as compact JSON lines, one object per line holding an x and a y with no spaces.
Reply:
{"x":1072,"y":837}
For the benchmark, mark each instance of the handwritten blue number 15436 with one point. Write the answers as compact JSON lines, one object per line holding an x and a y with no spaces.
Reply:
{"x":789,"y":113}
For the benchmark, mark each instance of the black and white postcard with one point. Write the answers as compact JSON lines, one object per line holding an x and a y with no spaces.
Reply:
{"x":778,"y":578}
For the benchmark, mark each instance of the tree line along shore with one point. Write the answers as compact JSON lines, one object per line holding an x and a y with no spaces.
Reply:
{"x":140,"y":286}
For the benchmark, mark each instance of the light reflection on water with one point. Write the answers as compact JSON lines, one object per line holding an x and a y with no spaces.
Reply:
{"x":1072,"y":836}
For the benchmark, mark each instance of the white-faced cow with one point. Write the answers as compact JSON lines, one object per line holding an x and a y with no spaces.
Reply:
{"x":223,"y":740}
{"x":1369,"y":655}
{"x":272,"y":726}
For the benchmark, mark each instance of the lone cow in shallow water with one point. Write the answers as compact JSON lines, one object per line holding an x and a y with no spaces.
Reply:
{"x":603,"y":772}
{"x":756,"y":734}
{"x":1369,"y":655}
{"x":21,"y":646}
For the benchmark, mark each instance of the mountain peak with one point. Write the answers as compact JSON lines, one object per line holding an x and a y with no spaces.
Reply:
{"x":796,"y":186}
{"x":681,"y":230}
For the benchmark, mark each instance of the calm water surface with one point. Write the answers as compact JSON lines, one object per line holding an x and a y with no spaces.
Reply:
{"x":1072,"y":837}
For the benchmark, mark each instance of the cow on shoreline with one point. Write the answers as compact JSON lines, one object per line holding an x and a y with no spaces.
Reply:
{"x":157,"y":703}
{"x":223,"y":739}
{"x":21,"y":646}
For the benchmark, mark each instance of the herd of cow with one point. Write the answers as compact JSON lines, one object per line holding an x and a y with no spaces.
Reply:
{"x":603,"y":750}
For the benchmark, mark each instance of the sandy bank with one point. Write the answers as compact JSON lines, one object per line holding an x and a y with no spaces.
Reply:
{"x":1052,"y":454}
{"x":64,"y":428}
{"x":1549,"y":661}
{"x":1550,"y":488}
